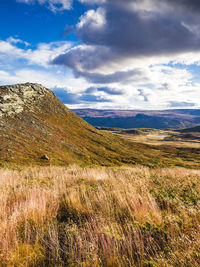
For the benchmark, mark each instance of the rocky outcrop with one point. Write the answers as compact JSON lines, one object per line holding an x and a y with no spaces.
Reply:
{"x":14,"y":98}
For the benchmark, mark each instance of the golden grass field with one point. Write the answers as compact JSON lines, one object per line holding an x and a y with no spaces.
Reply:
{"x":117,"y":216}
{"x":170,"y":138}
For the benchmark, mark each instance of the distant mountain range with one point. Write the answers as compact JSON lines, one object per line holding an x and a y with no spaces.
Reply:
{"x":128,"y":119}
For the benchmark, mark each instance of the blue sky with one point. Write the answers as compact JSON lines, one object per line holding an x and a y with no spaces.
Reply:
{"x":122,"y":54}
{"x":36,"y":23}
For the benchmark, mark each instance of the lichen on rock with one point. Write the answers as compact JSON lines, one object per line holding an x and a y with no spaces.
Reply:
{"x":14,"y":98}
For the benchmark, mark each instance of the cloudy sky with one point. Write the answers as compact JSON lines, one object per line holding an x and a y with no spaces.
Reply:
{"x":107,"y":54}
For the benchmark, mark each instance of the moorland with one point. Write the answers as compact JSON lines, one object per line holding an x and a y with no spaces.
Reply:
{"x":117,"y":216}
{"x":75,"y":195}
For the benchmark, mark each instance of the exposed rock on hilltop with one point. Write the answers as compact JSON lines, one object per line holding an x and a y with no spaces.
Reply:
{"x":13,"y":99}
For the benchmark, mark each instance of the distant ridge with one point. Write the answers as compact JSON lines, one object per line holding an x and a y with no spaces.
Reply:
{"x":128,"y":119}
{"x":191,"y":129}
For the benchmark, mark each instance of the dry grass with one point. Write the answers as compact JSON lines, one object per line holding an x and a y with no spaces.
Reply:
{"x":54,"y":216}
{"x":173,"y":138}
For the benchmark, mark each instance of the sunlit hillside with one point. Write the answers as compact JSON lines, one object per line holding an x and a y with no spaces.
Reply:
{"x":34,"y":123}
{"x":53,"y":216}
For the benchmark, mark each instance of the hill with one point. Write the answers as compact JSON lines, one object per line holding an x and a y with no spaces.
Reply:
{"x":195,"y":129}
{"x":35,"y":123}
{"x":128,"y":119}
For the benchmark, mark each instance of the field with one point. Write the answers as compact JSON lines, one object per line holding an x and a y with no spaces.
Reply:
{"x":185,"y":138}
{"x":117,"y":216}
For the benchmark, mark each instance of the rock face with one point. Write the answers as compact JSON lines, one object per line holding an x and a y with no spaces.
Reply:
{"x":14,"y":98}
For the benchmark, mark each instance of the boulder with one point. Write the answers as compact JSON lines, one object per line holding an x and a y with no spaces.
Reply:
{"x":45,"y":157}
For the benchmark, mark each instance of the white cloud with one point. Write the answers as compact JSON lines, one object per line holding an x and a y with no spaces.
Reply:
{"x":94,"y":19}
{"x":148,"y":85}
{"x":48,"y":78}
{"x":42,"y":55}
{"x":53,"y":5}
{"x":92,"y":2}
{"x":20,"y":65}
{"x":46,"y":52}
{"x":13,"y":40}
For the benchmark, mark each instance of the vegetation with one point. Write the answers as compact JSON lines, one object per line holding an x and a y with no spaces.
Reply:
{"x":67,"y":139}
{"x":55,"y":216}
{"x":117,"y":215}
{"x":126,"y":131}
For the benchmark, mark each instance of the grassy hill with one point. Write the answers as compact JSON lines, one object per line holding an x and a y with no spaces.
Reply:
{"x":191,"y":129}
{"x":33,"y":123}
{"x":47,"y":127}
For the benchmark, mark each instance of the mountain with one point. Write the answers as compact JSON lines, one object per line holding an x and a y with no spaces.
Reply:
{"x":128,"y":119}
{"x":34,"y":123}
{"x":36,"y":128}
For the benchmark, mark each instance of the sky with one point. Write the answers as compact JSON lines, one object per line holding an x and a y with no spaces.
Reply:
{"x":105,"y":54}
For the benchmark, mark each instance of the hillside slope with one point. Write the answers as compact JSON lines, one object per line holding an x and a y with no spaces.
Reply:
{"x":33,"y":123}
{"x":191,"y":129}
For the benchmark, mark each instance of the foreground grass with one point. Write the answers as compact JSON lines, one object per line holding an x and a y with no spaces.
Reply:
{"x":54,"y":216}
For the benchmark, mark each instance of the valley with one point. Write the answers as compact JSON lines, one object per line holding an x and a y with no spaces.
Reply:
{"x":183,"y":138}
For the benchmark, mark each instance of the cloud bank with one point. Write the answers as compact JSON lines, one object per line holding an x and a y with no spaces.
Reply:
{"x":131,"y":29}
